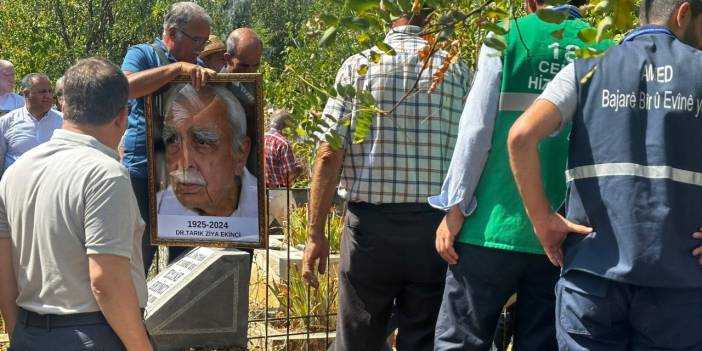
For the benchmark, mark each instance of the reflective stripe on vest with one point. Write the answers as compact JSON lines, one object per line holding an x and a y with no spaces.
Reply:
{"x":634,"y":170}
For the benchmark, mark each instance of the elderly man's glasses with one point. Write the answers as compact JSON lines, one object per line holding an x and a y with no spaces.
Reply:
{"x":196,"y":40}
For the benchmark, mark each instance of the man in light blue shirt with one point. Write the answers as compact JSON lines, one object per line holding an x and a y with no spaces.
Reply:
{"x":27,"y":127}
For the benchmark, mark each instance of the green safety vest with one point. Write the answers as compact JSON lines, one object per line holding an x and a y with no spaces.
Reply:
{"x":532,"y":58}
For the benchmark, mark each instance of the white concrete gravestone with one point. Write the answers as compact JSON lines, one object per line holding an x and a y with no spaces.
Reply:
{"x":200,"y":300}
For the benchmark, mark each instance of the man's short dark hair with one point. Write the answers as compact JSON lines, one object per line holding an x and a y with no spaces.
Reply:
{"x":95,"y":90}
{"x":659,"y":11}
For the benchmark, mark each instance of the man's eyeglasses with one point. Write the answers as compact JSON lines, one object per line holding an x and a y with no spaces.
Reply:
{"x":196,"y":40}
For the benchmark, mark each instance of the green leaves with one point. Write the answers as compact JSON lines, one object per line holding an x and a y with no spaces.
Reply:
{"x":603,"y":28}
{"x":356,"y":23}
{"x":550,"y":16}
{"x":363,"y":5}
{"x":386,"y":48}
{"x":334,"y":140}
{"x":495,"y":42}
{"x":588,"y":35}
{"x":328,"y":19}
{"x":328,"y":36}
{"x":585,"y":53}
{"x":494,"y":28}
{"x":364,"y":120}
{"x":374,"y":57}
{"x":363,"y":70}
{"x":346,"y":91}
{"x":496,"y":13}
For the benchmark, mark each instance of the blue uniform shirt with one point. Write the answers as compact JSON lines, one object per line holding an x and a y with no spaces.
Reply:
{"x":139,"y":58}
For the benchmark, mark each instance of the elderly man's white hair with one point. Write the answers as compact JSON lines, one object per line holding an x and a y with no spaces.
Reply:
{"x":5,"y":64}
{"x":181,"y":13}
{"x":183,"y":101}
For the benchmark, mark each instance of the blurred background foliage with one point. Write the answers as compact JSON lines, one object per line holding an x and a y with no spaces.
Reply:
{"x":305,"y":41}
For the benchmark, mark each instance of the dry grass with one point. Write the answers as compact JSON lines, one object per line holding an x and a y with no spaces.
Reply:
{"x":3,"y":336}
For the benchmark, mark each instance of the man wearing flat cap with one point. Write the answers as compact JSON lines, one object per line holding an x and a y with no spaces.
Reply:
{"x":213,"y":54}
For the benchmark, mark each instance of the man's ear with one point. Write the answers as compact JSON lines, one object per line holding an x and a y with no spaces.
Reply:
{"x":171,"y":32}
{"x":682,"y":15}
{"x":243,"y":155}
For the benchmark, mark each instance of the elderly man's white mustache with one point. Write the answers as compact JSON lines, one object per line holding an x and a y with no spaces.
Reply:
{"x":188,"y":176}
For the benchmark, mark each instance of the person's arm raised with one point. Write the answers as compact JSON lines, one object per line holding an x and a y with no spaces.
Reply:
{"x":148,"y":81}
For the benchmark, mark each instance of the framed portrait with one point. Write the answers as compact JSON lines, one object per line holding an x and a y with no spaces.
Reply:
{"x":205,"y":161}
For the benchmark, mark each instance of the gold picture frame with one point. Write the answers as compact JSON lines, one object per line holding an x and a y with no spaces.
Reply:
{"x":177,"y":220}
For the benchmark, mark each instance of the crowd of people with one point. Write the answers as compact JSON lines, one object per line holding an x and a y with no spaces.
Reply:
{"x":569,"y":183}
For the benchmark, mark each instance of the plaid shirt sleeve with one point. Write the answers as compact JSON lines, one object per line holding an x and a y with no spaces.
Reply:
{"x":337,"y":108}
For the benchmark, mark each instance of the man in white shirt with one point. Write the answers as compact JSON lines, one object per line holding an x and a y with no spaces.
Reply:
{"x":8,"y":100}
{"x":25,"y":128}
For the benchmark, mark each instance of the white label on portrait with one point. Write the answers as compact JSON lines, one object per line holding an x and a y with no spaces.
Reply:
{"x":208,"y":228}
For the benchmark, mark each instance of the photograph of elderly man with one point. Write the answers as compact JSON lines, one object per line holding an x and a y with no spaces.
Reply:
{"x":203,"y":168}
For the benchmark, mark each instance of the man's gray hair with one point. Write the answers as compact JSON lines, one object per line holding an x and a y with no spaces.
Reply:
{"x":5,"y":64}
{"x":181,"y":13}
{"x":279,"y":118}
{"x":29,"y":80}
{"x":95,"y":91}
{"x":235,"y":36}
{"x":58,"y":89}
{"x":182,"y":101}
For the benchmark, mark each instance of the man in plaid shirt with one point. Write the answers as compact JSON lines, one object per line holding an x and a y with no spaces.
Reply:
{"x":387,"y":250}
{"x":281,"y":166}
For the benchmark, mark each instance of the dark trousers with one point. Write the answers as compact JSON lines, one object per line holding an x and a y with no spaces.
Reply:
{"x":141,"y":191}
{"x":595,"y":313}
{"x":387,"y":254}
{"x":83,"y":331}
{"x":477,"y":289}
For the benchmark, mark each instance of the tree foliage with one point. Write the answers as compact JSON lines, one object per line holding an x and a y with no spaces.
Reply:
{"x":50,"y":35}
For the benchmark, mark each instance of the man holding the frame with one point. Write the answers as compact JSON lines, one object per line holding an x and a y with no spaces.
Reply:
{"x":149,"y":67}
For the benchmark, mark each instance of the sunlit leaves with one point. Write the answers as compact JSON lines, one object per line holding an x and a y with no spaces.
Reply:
{"x":588,"y":35}
{"x":384,"y":47}
{"x":494,"y":28}
{"x":374,"y":56}
{"x":362,"y":70}
{"x":363,"y":123}
{"x":585,"y":53}
{"x":622,"y":17}
{"x":496,"y":13}
{"x":363,"y":5}
{"x":603,"y":28}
